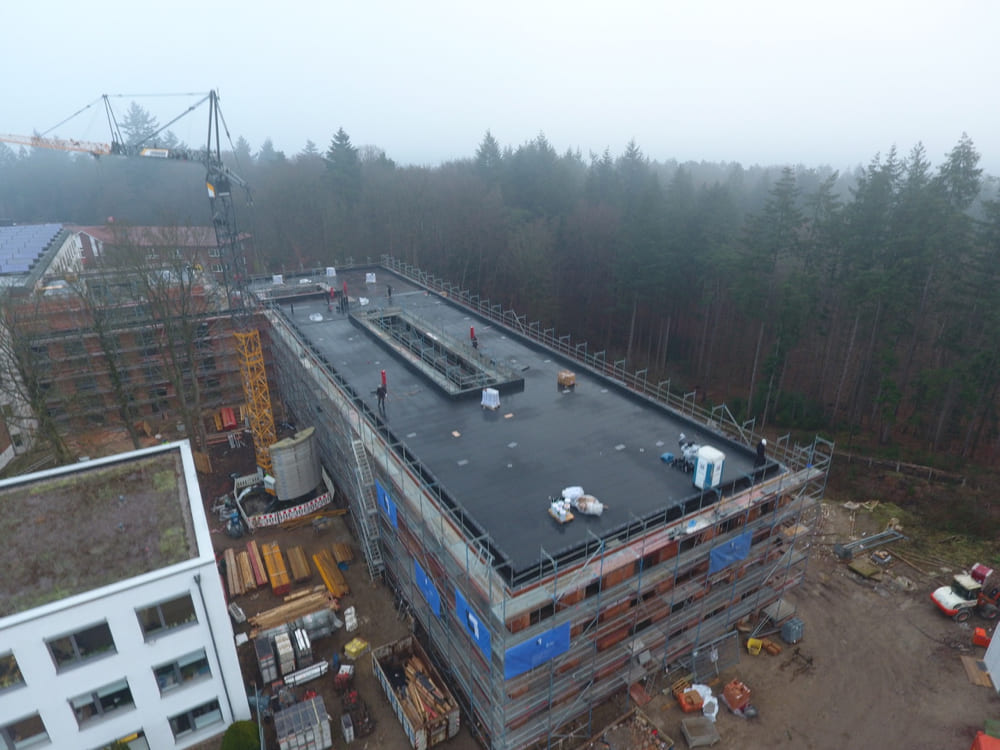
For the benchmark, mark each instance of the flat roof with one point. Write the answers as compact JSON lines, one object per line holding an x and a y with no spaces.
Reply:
{"x":79,"y":527}
{"x":503,"y":466}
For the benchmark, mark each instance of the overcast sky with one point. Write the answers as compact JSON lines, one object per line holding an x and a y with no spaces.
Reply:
{"x":762,"y":82}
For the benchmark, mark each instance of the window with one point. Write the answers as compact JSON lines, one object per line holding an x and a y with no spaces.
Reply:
{"x":133,"y":741}
{"x":196,"y":718}
{"x":26,"y":732}
{"x":82,"y":645}
{"x":166,"y":615}
{"x":214,"y":252}
{"x":10,"y":673}
{"x":187,"y":668}
{"x":148,"y":343}
{"x":74,"y":348}
{"x":40,"y":353}
{"x":102,"y":701}
{"x":86,"y":383}
{"x":216,"y":268}
{"x":17,"y":440}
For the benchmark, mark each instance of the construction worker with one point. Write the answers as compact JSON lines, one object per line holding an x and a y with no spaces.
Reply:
{"x":380,"y":394}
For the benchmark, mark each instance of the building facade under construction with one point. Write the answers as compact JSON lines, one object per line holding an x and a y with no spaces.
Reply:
{"x":456,"y":428}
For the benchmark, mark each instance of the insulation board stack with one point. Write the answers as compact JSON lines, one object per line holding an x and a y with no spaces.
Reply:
{"x":304,"y":726}
{"x":265,"y":659}
{"x":285,"y":653}
{"x":303,"y":648}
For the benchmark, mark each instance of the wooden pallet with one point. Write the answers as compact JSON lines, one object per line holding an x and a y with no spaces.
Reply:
{"x":300,"y":564}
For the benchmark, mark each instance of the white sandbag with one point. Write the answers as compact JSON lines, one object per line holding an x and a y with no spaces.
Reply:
{"x":710,"y":709}
{"x":589,"y":505}
{"x":572,"y":493}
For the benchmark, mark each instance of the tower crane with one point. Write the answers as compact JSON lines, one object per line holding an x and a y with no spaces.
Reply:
{"x":219,"y":181}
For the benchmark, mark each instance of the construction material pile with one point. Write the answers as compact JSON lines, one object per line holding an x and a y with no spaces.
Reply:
{"x":422,"y":698}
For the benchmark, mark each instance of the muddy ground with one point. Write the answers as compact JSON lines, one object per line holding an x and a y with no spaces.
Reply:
{"x":878,"y":666}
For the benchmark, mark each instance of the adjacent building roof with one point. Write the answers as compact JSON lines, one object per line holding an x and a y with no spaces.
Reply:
{"x":153,"y":236}
{"x":76,"y":528}
{"x":26,"y":251}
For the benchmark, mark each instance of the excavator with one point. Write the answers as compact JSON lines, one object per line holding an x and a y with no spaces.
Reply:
{"x":219,"y":181}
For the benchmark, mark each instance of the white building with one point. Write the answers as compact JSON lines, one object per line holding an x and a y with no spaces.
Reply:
{"x":113,"y":621}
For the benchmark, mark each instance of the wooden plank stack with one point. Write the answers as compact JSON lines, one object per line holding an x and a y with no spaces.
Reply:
{"x":295,"y":606}
{"x":335,"y":582}
{"x":256,"y":563}
{"x":299,"y":564}
{"x":239,"y":576}
{"x":276,"y":570}
{"x":426,"y":700}
{"x":342,"y":553}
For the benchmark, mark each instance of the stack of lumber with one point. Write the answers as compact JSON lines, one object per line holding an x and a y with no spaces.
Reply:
{"x":256,"y":563}
{"x":326,"y":512}
{"x":342,"y":553}
{"x":299,"y":564}
{"x":276,"y":570}
{"x":335,"y":582}
{"x":234,"y":581}
{"x":427,"y":701}
{"x":296,"y":605}
{"x":239,"y":574}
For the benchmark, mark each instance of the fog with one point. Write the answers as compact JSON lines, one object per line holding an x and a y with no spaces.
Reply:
{"x":757,"y":83}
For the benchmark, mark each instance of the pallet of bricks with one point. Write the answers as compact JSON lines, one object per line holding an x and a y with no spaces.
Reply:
{"x":304,"y":726}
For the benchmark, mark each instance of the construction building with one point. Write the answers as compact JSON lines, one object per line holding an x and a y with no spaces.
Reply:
{"x":113,"y":620}
{"x":106,"y":348}
{"x":488,"y":419}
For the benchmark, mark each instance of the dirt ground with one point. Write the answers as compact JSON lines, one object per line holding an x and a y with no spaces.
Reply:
{"x":379,"y":620}
{"x":878,"y":665}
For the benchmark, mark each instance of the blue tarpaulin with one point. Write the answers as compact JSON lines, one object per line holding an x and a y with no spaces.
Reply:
{"x":528,"y":655}
{"x":729,"y":552}
{"x":476,"y":629}
{"x":386,"y":503}
{"x":427,"y":588}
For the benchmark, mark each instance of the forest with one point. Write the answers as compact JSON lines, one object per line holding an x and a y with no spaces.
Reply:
{"x":864,"y":306}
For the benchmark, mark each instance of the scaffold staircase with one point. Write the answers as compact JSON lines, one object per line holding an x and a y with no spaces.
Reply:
{"x":368,"y":515}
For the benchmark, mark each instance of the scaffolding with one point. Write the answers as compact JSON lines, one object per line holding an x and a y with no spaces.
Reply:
{"x":661,"y":592}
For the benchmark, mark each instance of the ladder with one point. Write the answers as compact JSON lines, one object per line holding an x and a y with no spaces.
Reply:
{"x":367,"y":518}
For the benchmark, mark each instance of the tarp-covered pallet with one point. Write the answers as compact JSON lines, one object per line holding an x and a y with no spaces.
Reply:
{"x":421,"y":700}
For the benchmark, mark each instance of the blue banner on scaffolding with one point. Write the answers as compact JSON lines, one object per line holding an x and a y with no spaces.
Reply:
{"x":427,"y":588}
{"x":473,"y":625}
{"x":729,"y":552}
{"x":386,"y":504}
{"x":526,"y":656}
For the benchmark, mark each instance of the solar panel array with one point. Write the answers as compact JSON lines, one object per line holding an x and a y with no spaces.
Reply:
{"x":22,"y":246}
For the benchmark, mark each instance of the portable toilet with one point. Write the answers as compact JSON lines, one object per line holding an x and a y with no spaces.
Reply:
{"x":708,"y":467}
